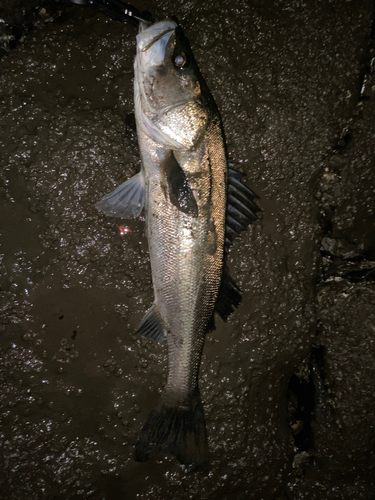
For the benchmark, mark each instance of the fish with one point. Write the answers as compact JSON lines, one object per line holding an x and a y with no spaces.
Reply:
{"x":195,"y":205}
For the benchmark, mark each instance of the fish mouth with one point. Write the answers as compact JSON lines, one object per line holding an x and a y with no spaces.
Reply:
{"x":158,"y":37}
{"x":149,"y":35}
{"x":158,"y":26}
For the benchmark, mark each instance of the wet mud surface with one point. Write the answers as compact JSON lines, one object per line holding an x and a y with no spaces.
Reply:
{"x":287,"y":383}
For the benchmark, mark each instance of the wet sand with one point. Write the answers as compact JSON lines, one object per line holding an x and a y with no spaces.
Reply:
{"x":287,"y":383}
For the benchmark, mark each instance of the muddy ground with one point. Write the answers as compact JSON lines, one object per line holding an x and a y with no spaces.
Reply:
{"x":288,"y":382}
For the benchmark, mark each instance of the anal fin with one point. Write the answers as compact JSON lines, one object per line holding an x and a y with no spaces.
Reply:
{"x":152,"y":324}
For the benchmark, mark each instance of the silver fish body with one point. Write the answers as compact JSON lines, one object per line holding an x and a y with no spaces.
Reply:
{"x":184,"y":187}
{"x":186,"y":247}
{"x":186,"y":252}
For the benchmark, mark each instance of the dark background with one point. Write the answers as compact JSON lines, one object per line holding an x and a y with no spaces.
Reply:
{"x":288,"y":383}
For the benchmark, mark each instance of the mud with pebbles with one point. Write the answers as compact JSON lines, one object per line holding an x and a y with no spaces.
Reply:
{"x":287,"y":383}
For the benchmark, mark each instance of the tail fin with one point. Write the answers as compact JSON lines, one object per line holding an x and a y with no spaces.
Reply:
{"x":176,"y":430}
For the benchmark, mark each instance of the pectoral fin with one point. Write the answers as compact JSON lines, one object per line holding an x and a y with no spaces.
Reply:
{"x":125,"y":201}
{"x":179,"y":190}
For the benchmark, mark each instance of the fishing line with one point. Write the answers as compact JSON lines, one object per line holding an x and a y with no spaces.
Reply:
{"x":117,"y":10}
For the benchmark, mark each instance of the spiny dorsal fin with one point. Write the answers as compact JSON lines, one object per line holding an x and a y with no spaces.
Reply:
{"x":152,"y":324}
{"x":241,"y":209}
{"x":179,"y":190}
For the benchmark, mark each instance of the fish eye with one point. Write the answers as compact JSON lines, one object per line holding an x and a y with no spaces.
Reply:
{"x":180,"y":60}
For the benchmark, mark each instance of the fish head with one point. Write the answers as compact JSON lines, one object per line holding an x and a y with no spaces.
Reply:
{"x":171,"y":98}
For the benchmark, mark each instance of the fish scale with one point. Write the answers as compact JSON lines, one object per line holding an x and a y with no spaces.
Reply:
{"x":187,"y":298}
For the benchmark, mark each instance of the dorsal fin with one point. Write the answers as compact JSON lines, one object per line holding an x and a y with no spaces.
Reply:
{"x":229,"y":296}
{"x":241,"y":209}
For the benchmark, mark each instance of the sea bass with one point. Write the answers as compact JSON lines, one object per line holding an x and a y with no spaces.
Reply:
{"x":195,"y":205}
